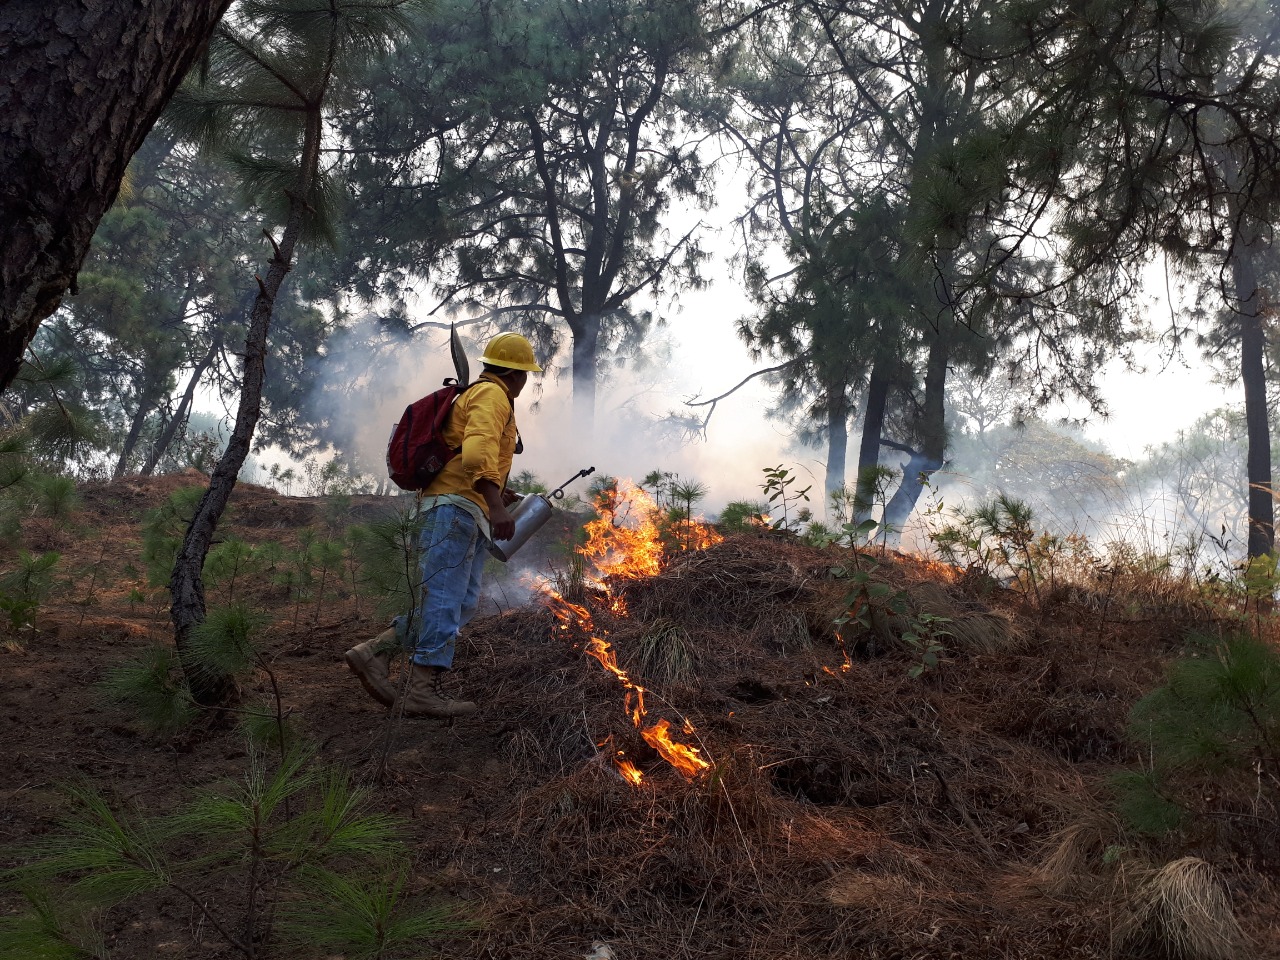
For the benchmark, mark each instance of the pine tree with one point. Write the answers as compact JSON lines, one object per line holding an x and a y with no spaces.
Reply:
{"x":262,"y":101}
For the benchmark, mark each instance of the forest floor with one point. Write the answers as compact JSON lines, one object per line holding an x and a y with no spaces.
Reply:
{"x":851,"y":809}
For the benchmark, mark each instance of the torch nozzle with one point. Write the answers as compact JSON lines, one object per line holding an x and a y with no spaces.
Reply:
{"x":558,"y":492}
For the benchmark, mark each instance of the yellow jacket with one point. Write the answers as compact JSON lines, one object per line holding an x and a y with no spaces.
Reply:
{"x":483,"y":424}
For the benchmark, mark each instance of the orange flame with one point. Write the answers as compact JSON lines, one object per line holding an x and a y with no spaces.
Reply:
{"x":683,"y":758}
{"x":624,"y":543}
{"x":628,"y":770}
{"x":694,"y":535}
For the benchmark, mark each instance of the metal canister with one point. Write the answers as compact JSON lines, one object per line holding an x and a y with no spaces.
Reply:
{"x":530,"y":514}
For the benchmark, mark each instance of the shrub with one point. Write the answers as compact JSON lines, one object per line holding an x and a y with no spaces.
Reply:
{"x":1217,"y":716}
{"x":739,"y":515}
{"x":24,"y":588}
{"x":163,"y":530}
{"x":154,"y":687}
{"x":316,"y":869}
{"x":54,"y":496}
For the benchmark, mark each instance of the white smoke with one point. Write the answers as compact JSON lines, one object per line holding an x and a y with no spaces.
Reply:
{"x":367,"y":378}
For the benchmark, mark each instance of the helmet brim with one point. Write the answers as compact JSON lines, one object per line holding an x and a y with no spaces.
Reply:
{"x":511,"y":364}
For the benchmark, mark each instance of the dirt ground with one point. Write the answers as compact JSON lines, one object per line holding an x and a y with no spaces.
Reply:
{"x":851,"y":810}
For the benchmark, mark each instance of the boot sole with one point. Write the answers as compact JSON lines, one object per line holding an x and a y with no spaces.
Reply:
{"x":356,"y":663}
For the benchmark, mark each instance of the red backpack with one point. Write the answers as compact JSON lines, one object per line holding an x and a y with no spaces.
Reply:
{"x":416,"y":452}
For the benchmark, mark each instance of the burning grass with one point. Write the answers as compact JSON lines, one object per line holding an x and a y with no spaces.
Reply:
{"x":838,"y":811}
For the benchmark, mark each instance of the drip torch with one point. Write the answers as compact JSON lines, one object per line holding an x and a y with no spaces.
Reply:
{"x":530,"y":513}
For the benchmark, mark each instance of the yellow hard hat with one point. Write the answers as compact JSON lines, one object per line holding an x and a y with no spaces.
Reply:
{"x":510,"y":350}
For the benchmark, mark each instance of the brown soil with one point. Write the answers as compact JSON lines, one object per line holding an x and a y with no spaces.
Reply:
{"x":851,"y":812}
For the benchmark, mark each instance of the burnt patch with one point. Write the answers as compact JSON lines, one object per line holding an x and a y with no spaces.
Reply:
{"x":828,"y":782}
{"x":752,"y":691}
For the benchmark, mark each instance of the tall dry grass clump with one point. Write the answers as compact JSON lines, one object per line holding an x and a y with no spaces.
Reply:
{"x":1183,"y":911}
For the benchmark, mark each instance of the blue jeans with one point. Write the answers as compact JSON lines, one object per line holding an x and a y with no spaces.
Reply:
{"x":451,"y":555}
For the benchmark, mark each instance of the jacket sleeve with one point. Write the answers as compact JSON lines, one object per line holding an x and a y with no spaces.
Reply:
{"x":487,"y":414}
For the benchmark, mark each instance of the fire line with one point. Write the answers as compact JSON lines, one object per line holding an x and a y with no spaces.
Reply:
{"x":623,"y":543}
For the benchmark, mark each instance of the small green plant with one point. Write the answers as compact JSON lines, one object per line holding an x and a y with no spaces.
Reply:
{"x":385,"y":553}
{"x":283,"y":479}
{"x":854,"y":507}
{"x":739,"y":515}
{"x":154,"y":687}
{"x":924,"y":635}
{"x":317,"y":872}
{"x":326,"y":557}
{"x":225,"y":644}
{"x":658,"y":484}
{"x":54,"y":495}
{"x":1260,"y":580}
{"x":25,"y":587}
{"x":995,"y":537}
{"x":227,"y":563}
{"x":868,"y":600}
{"x":778,"y":491}
{"x":163,"y":530}
{"x":298,"y":573}
{"x":1217,"y":717}
{"x":334,"y":477}
{"x":527,"y":482}
{"x":684,"y":494}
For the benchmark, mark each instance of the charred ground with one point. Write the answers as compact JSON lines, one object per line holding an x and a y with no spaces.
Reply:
{"x":852,"y":810}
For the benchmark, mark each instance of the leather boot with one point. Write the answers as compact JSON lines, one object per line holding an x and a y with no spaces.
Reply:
{"x":426,"y":699}
{"x":369,"y":661}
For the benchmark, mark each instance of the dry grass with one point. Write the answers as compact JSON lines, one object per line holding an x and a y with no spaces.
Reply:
{"x":1077,"y":855}
{"x":970,"y":626}
{"x":1183,"y":911}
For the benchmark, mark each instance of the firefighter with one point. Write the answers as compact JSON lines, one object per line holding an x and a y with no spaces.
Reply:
{"x":463,"y":509}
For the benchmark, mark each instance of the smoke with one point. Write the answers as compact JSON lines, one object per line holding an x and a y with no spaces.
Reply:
{"x":367,"y":377}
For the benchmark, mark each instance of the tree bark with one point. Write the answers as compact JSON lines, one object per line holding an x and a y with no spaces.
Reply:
{"x":586,"y":344}
{"x":145,"y":406}
{"x":837,"y":441}
{"x":1253,"y":345}
{"x":187,"y":583}
{"x":872,"y":430}
{"x":932,"y":428}
{"x":81,"y":84}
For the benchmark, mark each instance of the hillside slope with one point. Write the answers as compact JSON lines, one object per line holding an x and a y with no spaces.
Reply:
{"x":850,"y":809}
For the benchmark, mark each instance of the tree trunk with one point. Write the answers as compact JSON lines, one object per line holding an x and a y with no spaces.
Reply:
{"x":837,"y":442}
{"x":81,"y":84}
{"x":933,"y":440}
{"x":187,"y":583}
{"x":184,"y":409}
{"x":586,"y":342}
{"x":1253,"y":347}
{"x":145,"y":406}
{"x":869,"y":447}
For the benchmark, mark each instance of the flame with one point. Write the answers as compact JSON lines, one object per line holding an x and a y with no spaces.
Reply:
{"x":628,"y":770}
{"x":844,"y":652}
{"x":623,"y":543}
{"x":695,"y":535}
{"x":683,"y":758}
